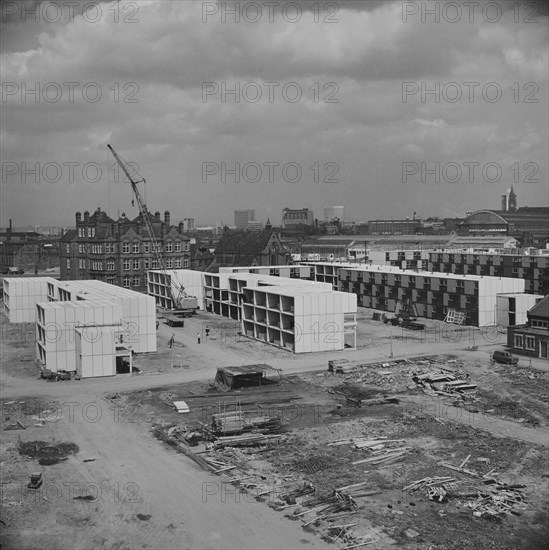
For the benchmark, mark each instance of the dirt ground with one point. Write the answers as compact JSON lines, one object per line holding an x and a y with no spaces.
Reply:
{"x":113,"y":484}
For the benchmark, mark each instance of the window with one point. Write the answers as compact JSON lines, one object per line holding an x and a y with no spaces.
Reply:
{"x":178,"y":246}
{"x":185,"y":263}
{"x":136,"y":264}
{"x":156,"y":247}
{"x":109,"y":248}
{"x":519,"y":341}
{"x":169,"y":247}
{"x":68,"y":264}
{"x":68,"y":248}
{"x":126,"y":248}
{"x":529,"y":343}
{"x":169,"y":263}
{"x":126,"y":281}
{"x":135,"y":248}
{"x":136,"y":281}
{"x":81,"y":249}
{"x":177,"y":263}
{"x":186,"y":247}
{"x":146,"y":264}
{"x":111,"y":280}
{"x":155,"y":264}
{"x":126,"y":265}
{"x":146,"y":248}
{"x":110,"y":265}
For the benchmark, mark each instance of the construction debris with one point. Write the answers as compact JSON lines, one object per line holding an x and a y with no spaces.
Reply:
{"x":487,"y":497}
{"x":239,"y":421}
{"x":444,"y":383}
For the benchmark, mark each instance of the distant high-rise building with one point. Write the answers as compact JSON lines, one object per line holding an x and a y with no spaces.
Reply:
{"x":242,"y":217}
{"x":509,"y":200}
{"x":188,"y":224}
{"x":334,"y":212}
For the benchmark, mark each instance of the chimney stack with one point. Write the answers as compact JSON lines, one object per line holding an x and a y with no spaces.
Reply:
{"x":167,"y":217}
{"x":78,"y":217}
{"x":181,"y":227}
{"x":86,"y":216}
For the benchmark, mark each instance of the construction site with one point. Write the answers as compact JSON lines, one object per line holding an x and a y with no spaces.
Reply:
{"x":259,"y":408}
{"x":412,"y":440}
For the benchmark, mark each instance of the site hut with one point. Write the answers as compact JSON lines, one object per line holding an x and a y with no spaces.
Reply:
{"x":247,"y":375}
{"x":435,"y":295}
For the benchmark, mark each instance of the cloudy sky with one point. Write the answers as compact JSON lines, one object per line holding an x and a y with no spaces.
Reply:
{"x":385,"y":107}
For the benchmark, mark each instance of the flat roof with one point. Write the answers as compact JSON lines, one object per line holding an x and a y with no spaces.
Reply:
{"x":432,"y":274}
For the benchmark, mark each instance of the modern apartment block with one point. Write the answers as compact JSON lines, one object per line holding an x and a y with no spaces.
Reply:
{"x":21,"y":296}
{"x":162,"y":286}
{"x":405,"y":259}
{"x":300,"y":316}
{"x":533,"y":269}
{"x":283,"y":309}
{"x":433,"y":294}
{"x":86,"y":325}
{"x":512,"y":309}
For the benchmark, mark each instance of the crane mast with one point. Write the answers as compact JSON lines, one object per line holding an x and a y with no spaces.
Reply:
{"x":176,"y":300}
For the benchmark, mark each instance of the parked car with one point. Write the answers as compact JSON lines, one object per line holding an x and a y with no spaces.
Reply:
{"x":504,"y":357}
{"x":15,"y":271}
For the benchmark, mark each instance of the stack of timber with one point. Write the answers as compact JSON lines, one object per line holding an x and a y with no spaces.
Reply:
{"x":381,"y":451}
{"x":237,"y":422}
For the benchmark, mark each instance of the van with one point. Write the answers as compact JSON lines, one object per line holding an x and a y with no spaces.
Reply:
{"x":504,"y":357}
{"x":15,"y":271}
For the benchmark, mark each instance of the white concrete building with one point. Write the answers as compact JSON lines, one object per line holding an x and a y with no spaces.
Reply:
{"x":511,"y":309}
{"x":21,"y":296}
{"x":162,"y":286}
{"x":78,"y":320}
{"x":277,"y":305}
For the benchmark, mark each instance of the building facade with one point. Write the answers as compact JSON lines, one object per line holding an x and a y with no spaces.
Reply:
{"x":303,"y":216}
{"x":532,"y":339}
{"x":435,"y":295}
{"x":533,"y":269}
{"x":121,"y":252}
{"x":394,"y":227}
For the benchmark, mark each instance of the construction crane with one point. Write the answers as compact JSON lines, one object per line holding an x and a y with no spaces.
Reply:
{"x":180,"y":300}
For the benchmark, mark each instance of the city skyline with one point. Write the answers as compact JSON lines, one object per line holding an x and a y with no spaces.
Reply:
{"x":305,"y":108}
